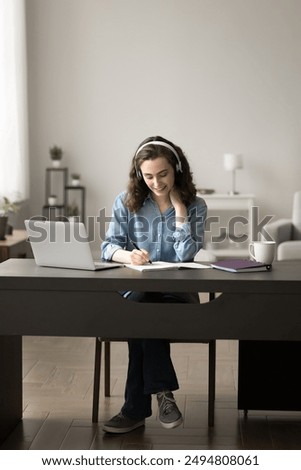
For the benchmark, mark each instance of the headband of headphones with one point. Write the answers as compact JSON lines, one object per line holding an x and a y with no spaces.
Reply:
{"x":163,"y":144}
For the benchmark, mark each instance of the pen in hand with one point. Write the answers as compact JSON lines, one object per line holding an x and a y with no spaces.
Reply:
{"x":137,"y":248}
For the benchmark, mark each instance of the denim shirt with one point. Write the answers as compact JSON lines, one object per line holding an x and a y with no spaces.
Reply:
{"x":155,"y":232}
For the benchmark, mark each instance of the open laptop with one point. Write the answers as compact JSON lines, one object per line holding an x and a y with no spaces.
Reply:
{"x":62,"y":245}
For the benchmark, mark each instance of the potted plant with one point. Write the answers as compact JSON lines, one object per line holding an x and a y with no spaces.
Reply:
{"x":52,"y":199}
{"x":75,"y":179}
{"x":56,"y":154}
{"x":6,"y":207}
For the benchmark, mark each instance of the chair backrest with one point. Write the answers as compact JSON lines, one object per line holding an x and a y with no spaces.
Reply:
{"x":296,"y":217}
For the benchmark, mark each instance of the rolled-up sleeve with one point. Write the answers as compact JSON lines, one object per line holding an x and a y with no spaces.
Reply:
{"x":117,"y":233}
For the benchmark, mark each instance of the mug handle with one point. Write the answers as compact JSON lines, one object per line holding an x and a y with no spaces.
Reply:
{"x":251,"y":250}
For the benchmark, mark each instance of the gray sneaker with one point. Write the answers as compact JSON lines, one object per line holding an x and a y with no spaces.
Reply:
{"x":121,"y":424}
{"x":169,"y":414}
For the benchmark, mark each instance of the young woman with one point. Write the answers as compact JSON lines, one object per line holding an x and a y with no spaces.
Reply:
{"x":158,"y":218}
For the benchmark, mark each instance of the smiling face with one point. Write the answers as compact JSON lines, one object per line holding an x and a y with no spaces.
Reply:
{"x":159,"y":176}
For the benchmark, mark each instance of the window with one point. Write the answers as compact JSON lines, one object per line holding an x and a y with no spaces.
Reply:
{"x":13,"y":98}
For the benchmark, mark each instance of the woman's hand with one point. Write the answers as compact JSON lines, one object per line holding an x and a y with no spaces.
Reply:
{"x":139,"y":256}
{"x":180,"y":208}
{"x":175,"y":198}
{"x":131,"y":257}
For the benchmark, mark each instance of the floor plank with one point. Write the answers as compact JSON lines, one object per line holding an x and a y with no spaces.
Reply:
{"x":58,"y":380}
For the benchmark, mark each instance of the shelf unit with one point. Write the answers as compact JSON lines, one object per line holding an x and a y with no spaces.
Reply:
{"x":56,"y":181}
{"x":71,"y":199}
{"x":229,"y":217}
{"x":56,"y":212}
{"x":75,"y":196}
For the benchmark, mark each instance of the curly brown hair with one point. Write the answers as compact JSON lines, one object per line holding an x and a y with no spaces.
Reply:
{"x":137,"y":189}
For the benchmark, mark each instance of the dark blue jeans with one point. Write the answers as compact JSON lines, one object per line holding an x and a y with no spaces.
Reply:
{"x":150,"y":368}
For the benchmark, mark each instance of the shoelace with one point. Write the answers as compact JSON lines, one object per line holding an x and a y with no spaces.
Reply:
{"x":167,"y":403}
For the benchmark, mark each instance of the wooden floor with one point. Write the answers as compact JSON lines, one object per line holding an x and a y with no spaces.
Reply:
{"x":58,"y":374}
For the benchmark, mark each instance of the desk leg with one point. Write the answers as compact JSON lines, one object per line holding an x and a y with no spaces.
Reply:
{"x":10,"y":384}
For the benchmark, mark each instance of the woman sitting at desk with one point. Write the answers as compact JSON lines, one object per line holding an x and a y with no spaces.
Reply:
{"x":158,"y":218}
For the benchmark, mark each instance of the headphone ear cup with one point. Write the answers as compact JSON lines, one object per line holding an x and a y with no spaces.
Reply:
{"x":139,"y":174}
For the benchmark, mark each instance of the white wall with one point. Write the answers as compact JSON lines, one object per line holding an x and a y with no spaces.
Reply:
{"x":214,"y":76}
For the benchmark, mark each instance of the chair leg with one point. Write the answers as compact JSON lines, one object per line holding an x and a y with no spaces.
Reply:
{"x":97,"y":366}
{"x":211,"y":381}
{"x":107,"y":368}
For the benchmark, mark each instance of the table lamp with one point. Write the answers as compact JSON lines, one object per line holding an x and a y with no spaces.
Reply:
{"x":232,"y":163}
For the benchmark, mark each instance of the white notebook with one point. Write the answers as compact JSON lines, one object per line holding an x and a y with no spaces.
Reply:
{"x":163,"y":265}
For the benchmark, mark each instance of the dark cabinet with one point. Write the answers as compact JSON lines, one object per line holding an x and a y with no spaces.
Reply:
{"x":268,"y":377}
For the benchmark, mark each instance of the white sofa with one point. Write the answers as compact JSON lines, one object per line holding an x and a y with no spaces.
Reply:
{"x":287,"y":233}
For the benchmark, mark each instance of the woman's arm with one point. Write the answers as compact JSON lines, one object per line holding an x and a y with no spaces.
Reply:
{"x":131,"y":257}
{"x":116,"y":235}
{"x":189,"y":235}
{"x":114,"y":247}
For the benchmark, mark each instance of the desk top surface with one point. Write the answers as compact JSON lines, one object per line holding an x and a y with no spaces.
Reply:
{"x":284,"y":278}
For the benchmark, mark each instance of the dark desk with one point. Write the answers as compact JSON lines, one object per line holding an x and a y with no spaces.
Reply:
{"x":59,"y":302}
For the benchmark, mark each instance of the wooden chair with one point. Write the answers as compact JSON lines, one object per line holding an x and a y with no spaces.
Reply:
{"x":107,"y":372}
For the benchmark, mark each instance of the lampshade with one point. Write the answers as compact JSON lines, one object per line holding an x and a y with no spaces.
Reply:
{"x":232,"y":161}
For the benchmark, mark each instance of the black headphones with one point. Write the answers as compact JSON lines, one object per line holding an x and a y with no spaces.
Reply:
{"x":163,"y":144}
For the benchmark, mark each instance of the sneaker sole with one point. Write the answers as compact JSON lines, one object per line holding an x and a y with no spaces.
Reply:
{"x":172,"y":425}
{"x":115,"y":430}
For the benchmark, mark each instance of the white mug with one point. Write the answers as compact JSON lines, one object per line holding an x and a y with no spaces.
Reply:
{"x":263,"y":252}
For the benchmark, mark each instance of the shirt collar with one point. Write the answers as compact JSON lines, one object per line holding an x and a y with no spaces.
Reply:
{"x":148,"y":198}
